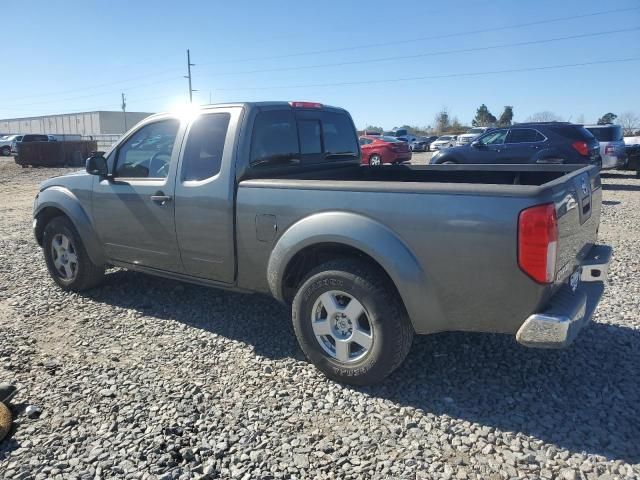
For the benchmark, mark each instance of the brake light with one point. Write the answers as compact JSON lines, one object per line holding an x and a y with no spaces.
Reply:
{"x":581,"y":147}
{"x":305,"y":104}
{"x":538,"y":242}
{"x":609,"y":150}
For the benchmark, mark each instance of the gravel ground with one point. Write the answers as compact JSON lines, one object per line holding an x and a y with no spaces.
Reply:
{"x":147,"y":378}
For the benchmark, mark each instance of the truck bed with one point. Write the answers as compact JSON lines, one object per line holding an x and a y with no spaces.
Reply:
{"x":459,"y":223}
{"x":531,"y":175}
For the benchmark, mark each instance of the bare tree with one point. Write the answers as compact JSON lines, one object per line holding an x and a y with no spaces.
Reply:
{"x":545,"y":116}
{"x":580,"y":119}
{"x":629,"y":121}
{"x":442,"y":121}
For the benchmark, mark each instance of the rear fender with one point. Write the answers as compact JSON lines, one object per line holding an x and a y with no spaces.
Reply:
{"x":370,"y":237}
{"x":64,"y":200}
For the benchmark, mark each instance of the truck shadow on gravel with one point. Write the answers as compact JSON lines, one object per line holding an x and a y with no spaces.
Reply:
{"x":584,"y":398}
{"x":619,"y":187}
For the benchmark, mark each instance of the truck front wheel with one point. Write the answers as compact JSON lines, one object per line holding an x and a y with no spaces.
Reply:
{"x":67,"y":260}
{"x":350,"y":322}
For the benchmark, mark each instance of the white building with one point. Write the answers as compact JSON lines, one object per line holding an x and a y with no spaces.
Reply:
{"x":86,"y":124}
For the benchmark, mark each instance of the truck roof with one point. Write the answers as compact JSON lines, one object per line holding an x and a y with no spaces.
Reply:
{"x":298,"y":105}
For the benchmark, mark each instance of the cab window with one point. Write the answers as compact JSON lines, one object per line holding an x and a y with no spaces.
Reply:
{"x":205,"y":144}
{"x":274,"y":138}
{"x":147,"y":153}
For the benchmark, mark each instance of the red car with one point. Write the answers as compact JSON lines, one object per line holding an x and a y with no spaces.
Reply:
{"x":377,"y":150}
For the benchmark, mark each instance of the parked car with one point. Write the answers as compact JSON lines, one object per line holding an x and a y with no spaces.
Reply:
{"x":407,"y":138}
{"x":383,"y":150}
{"x":30,"y":137}
{"x":420,"y":144}
{"x":270,"y":197}
{"x":633,"y":158}
{"x":445,"y":141}
{"x":551,"y":142}
{"x":470,"y":136}
{"x":52,"y":138}
{"x":611,"y":144}
{"x":5,"y":143}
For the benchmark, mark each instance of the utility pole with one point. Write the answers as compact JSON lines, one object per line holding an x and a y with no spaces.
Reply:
{"x":189,"y":65}
{"x":124,"y":111}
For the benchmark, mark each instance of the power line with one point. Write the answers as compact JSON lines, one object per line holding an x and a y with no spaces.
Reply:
{"x":431,"y":37}
{"x":429,"y":54}
{"x":108,"y":84}
{"x":315,"y":52}
{"x":446,"y":75}
{"x":43,"y":102}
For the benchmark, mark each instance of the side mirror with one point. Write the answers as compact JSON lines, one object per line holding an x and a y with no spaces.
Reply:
{"x":97,"y":165}
{"x":477,"y":144}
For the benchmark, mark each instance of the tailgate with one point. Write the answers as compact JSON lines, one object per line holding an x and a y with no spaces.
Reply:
{"x":578,"y":206}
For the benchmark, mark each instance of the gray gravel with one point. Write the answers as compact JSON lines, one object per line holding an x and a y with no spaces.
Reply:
{"x":149,"y":378}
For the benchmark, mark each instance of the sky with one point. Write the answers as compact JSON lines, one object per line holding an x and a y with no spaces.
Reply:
{"x":388,"y":63}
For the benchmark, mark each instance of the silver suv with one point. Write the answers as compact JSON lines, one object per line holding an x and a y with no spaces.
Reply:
{"x":611,"y":144}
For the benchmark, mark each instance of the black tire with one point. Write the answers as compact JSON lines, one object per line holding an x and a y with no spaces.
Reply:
{"x":87,"y":274}
{"x":6,"y":151}
{"x":391,"y":330}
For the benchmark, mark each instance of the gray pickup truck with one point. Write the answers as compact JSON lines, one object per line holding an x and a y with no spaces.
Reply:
{"x":271,"y":197}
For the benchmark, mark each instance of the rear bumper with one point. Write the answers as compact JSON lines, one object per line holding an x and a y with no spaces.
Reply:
{"x":569,"y":311}
{"x":612,"y":161}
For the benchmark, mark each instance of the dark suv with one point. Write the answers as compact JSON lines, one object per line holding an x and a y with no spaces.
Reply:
{"x":548,"y":142}
{"x":31,"y":137}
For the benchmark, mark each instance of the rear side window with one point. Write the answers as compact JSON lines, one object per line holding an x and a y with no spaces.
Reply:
{"x":572,"y":132}
{"x":308,"y":136}
{"x":205,"y":144}
{"x":339,"y":136}
{"x":274,"y":135}
{"x":612,"y":133}
{"x":524,"y":135}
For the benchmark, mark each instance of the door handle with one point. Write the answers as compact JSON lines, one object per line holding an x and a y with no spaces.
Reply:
{"x":161,"y":198}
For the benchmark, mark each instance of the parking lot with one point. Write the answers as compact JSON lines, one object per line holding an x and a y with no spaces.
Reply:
{"x":146,"y":377}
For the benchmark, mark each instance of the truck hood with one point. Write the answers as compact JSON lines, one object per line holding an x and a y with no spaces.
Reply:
{"x":66,"y":180}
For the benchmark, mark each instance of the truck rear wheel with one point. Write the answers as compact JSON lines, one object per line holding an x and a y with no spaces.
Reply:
{"x":67,"y":260}
{"x":350,"y":322}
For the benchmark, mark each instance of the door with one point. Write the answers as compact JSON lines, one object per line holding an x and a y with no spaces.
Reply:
{"x":489,"y":148}
{"x":523,"y":145}
{"x":204,"y":202}
{"x":133,"y":210}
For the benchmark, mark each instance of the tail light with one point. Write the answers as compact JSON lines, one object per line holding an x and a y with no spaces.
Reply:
{"x":538,"y":242}
{"x":581,"y":147}
{"x":609,"y":150}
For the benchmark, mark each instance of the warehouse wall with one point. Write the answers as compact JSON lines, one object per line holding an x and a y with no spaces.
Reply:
{"x":86,"y":123}
{"x":113,"y":122}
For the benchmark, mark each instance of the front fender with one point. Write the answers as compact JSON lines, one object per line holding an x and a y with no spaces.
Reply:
{"x":64,"y":200}
{"x":367,"y":235}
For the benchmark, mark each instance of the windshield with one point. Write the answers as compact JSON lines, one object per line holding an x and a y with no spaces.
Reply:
{"x":611,"y":133}
{"x":446,"y":137}
{"x":386,"y":138}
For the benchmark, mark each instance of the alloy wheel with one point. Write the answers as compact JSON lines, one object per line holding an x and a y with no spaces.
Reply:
{"x":341,"y":326}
